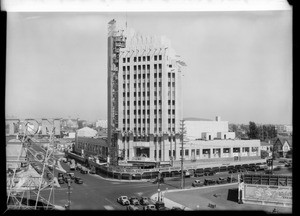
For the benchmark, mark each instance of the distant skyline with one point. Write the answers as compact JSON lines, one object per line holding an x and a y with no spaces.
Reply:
{"x":239,"y":64}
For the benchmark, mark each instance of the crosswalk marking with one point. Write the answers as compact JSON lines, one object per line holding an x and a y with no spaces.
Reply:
{"x":107,"y":207}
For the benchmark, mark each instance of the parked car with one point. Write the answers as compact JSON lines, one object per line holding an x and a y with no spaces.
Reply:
{"x":232,"y":170}
{"x":159,"y":205}
{"x":176,"y":209}
{"x":221,"y":180}
{"x":60,"y":180}
{"x":84,"y":170}
{"x":123,"y":200}
{"x":132,"y":208}
{"x":60,"y":174}
{"x":231,"y":179}
{"x":49,"y":175}
{"x":72,"y":175}
{"x":144,"y":201}
{"x":209,"y":172}
{"x":78,"y":180}
{"x":199,"y":172}
{"x":287,"y":164}
{"x":268,"y":171}
{"x":254,"y":168}
{"x":134,"y":201}
{"x":149,"y":207}
{"x":92,"y":171}
{"x":209,"y":182}
{"x":197,"y":183}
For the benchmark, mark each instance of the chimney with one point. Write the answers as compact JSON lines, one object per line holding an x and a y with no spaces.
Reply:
{"x":218,"y":118}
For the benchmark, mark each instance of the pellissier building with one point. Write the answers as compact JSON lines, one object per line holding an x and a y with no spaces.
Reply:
{"x":144,"y":99}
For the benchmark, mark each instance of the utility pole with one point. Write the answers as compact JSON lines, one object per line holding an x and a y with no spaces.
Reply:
{"x":69,"y":194}
{"x":182,"y":133}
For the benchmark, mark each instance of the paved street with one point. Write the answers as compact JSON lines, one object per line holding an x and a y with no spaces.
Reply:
{"x":97,"y":193}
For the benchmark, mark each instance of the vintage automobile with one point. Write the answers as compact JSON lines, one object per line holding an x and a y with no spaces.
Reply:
{"x":209,"y":182}
{"x":232,"y":170}
{"x":231,"y":179}
{"x":149,"y":207}
{"x":132,"y":208}
{"x":221,"y":180}
{"x":134,"y":201}
{"x":78,"y":180}
{"x":197,"y":183}
{"x":123,"y":200}
{"x":176,"y":209}
{"x":144,"y":201}
{"x":72,"y":175}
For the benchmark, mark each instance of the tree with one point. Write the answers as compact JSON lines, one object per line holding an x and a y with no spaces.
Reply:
{"x":264,"y":154}
{"x":253,"y":131}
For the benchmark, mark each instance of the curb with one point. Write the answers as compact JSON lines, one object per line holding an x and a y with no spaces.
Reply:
{"x":170,"y":203}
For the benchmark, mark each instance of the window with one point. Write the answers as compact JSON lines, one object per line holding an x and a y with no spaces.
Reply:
{"x":180,"y":152}
{"x":139,"y":76}
{"x":134,"y":112}
{"x":155,"y":84}
{"x":139,"y":59}
{"x":128,"y":94}
{"x":124,"y":85}
{"x":144,"y":58}
{"x":139,"y":120}
{"x":173,"y":102}
{"x":159,"y":154}
{"x":173,"y":75}
{"x":144,"y":101}
{"x":128,"y":68}
{"x":155,"y":58}
{"x":155,"y":66}
{"x":134,"y":94}
{"x":170,"y":153}
{"x":159,"y":102}
{"x":128,"y":76}
{"x":160,"y":57}
{"x":128,"y":103}
{"x":123,"y":94}
{"x":134,"y":76}
{"x":159,"y":84}
{"x":144,"y":76}
{"x":134,"y":121}
{"x":169,"y":139}
{"x":128,"y":112}
{"x":127,"y":122}
{"x":169,"y":111}
{"x":159,"y":66}
{"x":148,"y":112}
{"x":128,"y":59}
{"x":134,"y":59}
{"x":169,"y":75}
{"x":148,"y":102}
{"x":173,"y":84}
{"x":197,"y":151}
{"x":124,"y":60}
{"x":124,"y":77}
{"x":124,"y":68}
{"x":134,"y":68}
{"x":148,"y":76}
{"x":124,"y":122}
{"x":139,"y":111}
{"x":139,"y":102}
{"x":186,"y":152}
{"x":169,"y":121}
{"x":148,"y":58}
{"x":155,"y":75}
{"x":173,"y":112}
{"x":169,"y":102}
{"x":148,"y":120}
{"x":170,"y":66}
{"x":154,"y":153}
{"x":155,"y":111}
{"x":173,"y":121}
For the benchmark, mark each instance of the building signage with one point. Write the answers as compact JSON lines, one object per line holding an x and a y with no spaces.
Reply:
{"x":268,"y":193}
{"x":32,"y":126}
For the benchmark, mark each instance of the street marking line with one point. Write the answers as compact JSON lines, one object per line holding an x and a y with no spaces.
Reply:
{"x":107,"y":207}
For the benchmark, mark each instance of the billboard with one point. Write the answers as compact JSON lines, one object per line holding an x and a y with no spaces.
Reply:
{"x":268,"y":194}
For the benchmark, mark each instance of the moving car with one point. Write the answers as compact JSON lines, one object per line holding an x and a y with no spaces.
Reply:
{"x":123,"y":200}
{"x":150,"y":207}
{"x":221,"y":180}
{"x":209,"y":182}
{"x":132,"y":208}
{"x":78,"y":180}
{"x":134,"y":201}
{"x":72,"y":175}
{"x":197,"y":183}
{"x":144,"y":201}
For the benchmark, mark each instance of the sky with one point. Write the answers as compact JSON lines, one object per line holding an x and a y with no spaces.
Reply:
{"x":239,"y":64}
